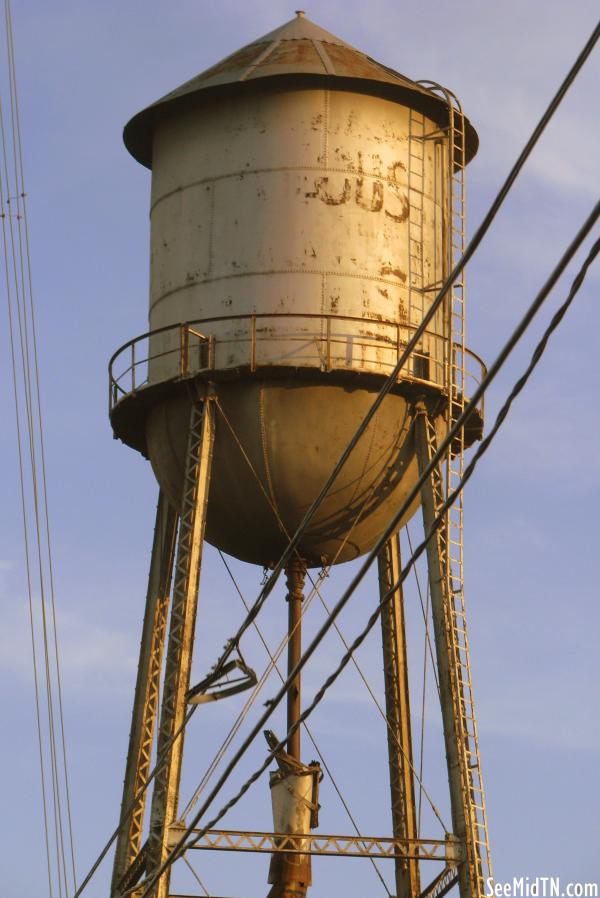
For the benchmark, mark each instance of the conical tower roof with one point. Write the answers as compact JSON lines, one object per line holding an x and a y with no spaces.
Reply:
{"x":299,"y":51}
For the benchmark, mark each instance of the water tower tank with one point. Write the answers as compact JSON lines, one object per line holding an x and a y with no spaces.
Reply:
{"x":299,"y":229}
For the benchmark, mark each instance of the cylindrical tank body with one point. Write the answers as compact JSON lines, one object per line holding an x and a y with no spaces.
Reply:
{"x":295,"y":204}
{"x":301,"y":224}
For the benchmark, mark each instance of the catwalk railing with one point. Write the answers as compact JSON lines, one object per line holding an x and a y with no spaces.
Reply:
{"x":253,"y":342}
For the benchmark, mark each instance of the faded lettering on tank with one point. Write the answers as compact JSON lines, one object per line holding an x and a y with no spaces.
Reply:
{"x":372,"y":203}
{"x":386,"y":195}
{"x":397,"y":206}
{"x":323,"y":193}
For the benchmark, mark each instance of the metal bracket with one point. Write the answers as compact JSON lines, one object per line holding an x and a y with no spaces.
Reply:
{"x":219,"y":685}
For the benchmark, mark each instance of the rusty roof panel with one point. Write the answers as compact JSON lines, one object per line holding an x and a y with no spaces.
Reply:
{"x":302,"y":48}
{"x":299,"y":53}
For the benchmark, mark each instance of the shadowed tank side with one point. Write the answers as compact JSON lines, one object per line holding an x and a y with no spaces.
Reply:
{"x":290,"y":442}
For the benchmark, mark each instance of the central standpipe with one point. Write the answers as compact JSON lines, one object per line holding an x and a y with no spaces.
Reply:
{"x":294,"y":785}
{"x":295,"y":574}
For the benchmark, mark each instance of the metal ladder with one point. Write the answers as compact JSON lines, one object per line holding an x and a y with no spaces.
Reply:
{"x":450,"y":547}
{"x":450,"y":534}
{"x":477,"y":819}
{"x":416,"y":189}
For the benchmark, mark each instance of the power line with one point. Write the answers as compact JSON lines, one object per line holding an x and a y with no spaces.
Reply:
{"x":469,"y":252}
{"x":500,"y":359}
{"x":306,"y":727}
{"x":315,"y":589}
{"x":18,"y":268}
{"x":412,"y":343}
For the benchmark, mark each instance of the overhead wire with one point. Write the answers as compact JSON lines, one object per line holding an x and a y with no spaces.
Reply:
{"x":424,"y":611}
{"x":162,"y":758}
{"x":182,"y":844}
{"x":418,"y":333}
{"x":11,"y":329}
{"x":307,"y":729}
{"x":315,"y":589}
{"x":21,"y":195}
{"x":17,"y":259}
{"x":469,"y":252}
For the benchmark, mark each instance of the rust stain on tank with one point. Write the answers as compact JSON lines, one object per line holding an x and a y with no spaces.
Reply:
{"x":387,"y":268}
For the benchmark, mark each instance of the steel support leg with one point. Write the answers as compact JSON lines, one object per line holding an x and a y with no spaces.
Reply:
{"x":145,"y":702}
{"x":395,"y":669}
{"x":449,"y":688}
{"x":181,"y":635}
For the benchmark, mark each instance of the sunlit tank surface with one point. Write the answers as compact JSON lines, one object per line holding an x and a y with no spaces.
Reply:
{"x":281,"y":225}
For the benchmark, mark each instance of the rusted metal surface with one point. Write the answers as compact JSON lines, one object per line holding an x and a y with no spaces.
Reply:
{"x":305,"y":222}
{"x":335,"y":167}
{"x":256,"y":343}
{"x":301,"y":49}
{"x":321,"y":844}
{"x":295,"y":573}
{"x":165,"y":797}
{"x":145,"y":706}
{"x":397,"y":712}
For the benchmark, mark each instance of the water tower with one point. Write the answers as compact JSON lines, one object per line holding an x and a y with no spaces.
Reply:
{"x":307,"y":204}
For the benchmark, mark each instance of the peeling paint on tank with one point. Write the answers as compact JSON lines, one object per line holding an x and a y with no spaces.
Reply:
{"x":301,"y":220}
{"x":387,"y":269}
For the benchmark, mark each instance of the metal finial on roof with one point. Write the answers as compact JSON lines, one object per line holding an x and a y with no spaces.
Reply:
{"x":300,"y":13}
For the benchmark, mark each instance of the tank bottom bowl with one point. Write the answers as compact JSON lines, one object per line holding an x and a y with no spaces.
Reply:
{"x":275,"y":445}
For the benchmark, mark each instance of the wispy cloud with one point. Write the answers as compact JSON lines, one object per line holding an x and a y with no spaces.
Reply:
{"x":92,"y":655}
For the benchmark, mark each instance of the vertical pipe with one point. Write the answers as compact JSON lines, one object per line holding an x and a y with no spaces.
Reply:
{"x":295,"y":572}
{"x":253,"y":343}
{"x":395,"y":669}
{"x":146,"y":689}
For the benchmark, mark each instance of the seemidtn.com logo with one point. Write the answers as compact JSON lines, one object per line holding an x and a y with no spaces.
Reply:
{"x":540,"y":887}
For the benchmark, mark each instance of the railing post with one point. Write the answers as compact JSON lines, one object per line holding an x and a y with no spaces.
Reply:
{"x":184,"y":342}
{"x":211,"y":352}
{"x":328,"y":339}
{"x":133,"y":365}
{"x":253,"y":344}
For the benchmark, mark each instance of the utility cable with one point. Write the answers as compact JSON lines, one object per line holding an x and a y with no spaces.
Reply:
{"x":305,"y":725}
{"x":424,"y":611}
{"x":420,"y":330}
{"x":21,"y":195}
{"x":21,"y":271}
{"x":11,"y":329}
{"x":182,"y":843}
{"x":470,"y":251}
{"x":315,"y":589}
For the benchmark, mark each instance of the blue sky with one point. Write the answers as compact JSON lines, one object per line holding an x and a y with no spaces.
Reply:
{"x":531,"y":511}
